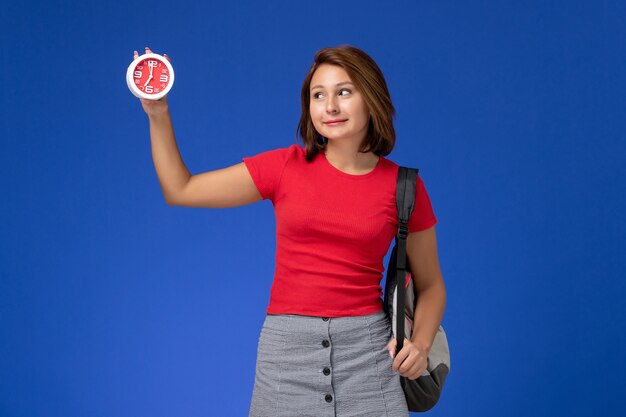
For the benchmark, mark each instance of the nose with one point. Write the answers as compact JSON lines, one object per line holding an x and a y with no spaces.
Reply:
{"x":331,"y":105}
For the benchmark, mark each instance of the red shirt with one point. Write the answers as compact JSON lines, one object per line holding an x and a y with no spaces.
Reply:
{"x":333,"y":230}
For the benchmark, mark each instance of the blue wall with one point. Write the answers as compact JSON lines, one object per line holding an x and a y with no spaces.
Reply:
{"x":114,"y":304}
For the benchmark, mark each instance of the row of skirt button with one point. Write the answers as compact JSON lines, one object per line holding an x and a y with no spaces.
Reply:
{"x":326,"y":370}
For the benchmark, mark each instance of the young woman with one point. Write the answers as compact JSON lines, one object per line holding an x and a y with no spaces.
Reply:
{"x":326,"y":347}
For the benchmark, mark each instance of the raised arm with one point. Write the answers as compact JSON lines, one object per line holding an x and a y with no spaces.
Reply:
{"x":228,"y":187}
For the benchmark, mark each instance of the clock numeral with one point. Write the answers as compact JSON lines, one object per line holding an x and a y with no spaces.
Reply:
{"x":137,"y":81}
{"x":138,"y":74}
{"x":163,"y":78}
{"x":140,"y":67}
{"x":152,"y":64}
{"x":149,"y":89}
{"x":164,"y":70}
{"x":156,"y":90}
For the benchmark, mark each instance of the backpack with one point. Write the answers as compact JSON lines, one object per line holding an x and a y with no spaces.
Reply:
{"x":400,"y":301}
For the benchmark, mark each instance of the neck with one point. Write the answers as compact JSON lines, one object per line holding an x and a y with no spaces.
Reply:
{"x":346,"y":157}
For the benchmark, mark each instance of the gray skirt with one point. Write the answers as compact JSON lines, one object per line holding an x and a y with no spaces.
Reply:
{"x":313,"y":366}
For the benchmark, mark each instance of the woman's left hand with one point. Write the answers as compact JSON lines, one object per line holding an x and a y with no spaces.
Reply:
{"x":411,"y":361}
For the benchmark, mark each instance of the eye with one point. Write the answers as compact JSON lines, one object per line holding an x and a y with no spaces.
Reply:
{"x":317,"y":95}
{"x":344,"y":92}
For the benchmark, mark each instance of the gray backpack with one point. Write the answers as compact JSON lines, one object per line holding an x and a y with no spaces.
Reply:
{"x":400,"y":300}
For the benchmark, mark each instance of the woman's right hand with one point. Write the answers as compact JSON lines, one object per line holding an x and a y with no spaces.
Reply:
{"x":154,"y":107}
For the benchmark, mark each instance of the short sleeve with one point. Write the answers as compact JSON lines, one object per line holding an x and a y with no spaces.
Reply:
{"x":423,"y":216}
{"x":266,"y":170}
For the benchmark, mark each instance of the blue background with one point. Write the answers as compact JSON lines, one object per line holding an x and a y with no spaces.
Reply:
{"x":113,"y":303}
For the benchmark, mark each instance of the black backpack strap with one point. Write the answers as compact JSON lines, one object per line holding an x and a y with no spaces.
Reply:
{"x":405,"y":202}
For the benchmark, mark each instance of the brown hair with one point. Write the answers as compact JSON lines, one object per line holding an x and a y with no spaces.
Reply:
{"x":369,"y":79}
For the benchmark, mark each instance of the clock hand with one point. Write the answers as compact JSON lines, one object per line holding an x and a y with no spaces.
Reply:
{"x":149,"y":78}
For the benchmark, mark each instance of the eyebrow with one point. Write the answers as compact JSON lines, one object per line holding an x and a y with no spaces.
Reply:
{"x":338,"y":84}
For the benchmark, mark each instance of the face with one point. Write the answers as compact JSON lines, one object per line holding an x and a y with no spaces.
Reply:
{"x":337,"y":108}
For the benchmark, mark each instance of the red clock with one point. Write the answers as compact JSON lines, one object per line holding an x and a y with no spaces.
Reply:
{"x":150,"y":76}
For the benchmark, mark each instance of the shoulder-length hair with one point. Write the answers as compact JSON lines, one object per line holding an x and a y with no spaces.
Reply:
{"x":369,"y":80}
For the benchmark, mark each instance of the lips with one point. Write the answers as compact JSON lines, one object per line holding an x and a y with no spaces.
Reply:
{"x":335,"y":122}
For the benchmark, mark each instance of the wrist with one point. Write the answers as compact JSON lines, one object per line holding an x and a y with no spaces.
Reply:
{"x":422,"y":345}
{"x":160,"y":116}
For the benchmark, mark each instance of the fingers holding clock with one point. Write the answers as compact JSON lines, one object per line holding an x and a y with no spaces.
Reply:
{"x":136,"y":54}
{"x":149,"y":51}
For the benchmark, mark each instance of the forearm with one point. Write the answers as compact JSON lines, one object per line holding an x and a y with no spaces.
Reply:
{"x":171,"y":170}
{"x":428,"y":314}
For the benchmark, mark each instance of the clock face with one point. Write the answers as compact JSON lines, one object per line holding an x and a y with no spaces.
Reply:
{"x":150,"y":76}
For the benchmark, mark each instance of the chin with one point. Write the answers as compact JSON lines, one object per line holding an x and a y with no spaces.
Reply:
{"x":334,"y":135}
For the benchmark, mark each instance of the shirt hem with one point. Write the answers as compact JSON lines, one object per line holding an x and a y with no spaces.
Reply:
{"x":326,"y":313}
